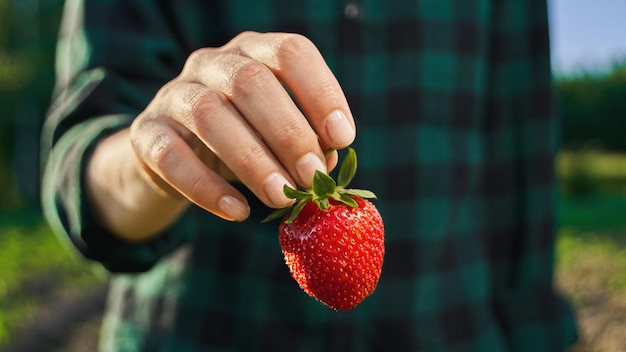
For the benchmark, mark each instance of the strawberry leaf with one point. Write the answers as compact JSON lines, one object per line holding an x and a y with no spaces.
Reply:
{"x":296,"y":211}
{"x":348,"y":169}
{"x":323,"y":185}
{"x":359,"y":193}
{"x":295,"y":194}
{"x":277,"y":214}
{"x":345,"y":199}
{"x":322,"y":203}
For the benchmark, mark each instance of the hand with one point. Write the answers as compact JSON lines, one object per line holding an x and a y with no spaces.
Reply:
{"x":229,"y":116}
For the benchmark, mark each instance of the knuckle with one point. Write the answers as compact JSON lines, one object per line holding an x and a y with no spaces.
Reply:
{"x":155,"y":144}
{"x":290,"y":136}
{"x":296,"y":44}
{"x":202,"y":103}
{"x":195,"y":60}
{"x":249,"y":157}
{"x":162,"y":152}
{"x":249,"y":73}
{"x":199,"y":54}
{"x":167,"y":90}
{"x":244,"y":35}
{"x":141,"y":135}
{"x":199,"y":185}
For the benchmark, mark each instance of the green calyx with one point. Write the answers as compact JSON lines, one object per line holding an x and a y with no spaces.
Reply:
{"x":324,"y":187}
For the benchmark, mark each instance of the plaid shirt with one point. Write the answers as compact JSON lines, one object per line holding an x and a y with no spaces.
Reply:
{"x":456,"y":135}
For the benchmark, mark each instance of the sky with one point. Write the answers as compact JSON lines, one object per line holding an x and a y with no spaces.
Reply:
{"x":587,"y":34}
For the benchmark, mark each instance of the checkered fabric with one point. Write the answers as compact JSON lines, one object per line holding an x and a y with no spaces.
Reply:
{"x":456,"y":135}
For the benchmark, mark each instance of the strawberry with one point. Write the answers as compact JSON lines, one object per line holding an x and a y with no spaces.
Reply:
{"x":333,"y":239}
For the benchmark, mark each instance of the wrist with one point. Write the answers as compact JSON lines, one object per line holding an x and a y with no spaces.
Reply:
{"x":123,"y":198}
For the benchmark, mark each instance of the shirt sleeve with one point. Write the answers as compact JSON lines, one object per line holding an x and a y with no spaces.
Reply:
{"x":112,"y":57}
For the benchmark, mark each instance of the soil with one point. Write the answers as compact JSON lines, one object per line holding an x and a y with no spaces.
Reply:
{"x":71,"y":322}
{"x":68,"y":321}
{"x":600,"y":310}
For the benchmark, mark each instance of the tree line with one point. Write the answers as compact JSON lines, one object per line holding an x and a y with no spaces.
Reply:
{"x":592,"y":106}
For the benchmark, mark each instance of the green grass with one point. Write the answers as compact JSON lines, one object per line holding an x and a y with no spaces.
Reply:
{"x":599,"y":163}
{"x":591,"y":244}
{"x":598,"y":212}
{"x":589,"y":169}
{"x":592,"y":225}
{"x":592,"y":234}
{"x":577,"y":251}
{"x":31,"y":256}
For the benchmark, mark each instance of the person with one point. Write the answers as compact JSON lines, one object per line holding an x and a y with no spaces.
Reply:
{"x":175,"y":125}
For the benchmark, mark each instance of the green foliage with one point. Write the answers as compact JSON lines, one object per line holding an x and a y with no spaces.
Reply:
{"x":28,"y":31}
{"x":591,"y":243}
{"x":600,"y":212}
{"x":593,"y":107}
{"x":589,"y":169}
{"x":15,"y":71}
{"x":577,"y":172}
{"x":600,"y":255}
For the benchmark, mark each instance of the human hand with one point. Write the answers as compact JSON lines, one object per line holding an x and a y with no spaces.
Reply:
{"x":229,"y":116}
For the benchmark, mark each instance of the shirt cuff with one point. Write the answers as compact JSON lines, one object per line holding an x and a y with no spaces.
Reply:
{"x":67,"y":209}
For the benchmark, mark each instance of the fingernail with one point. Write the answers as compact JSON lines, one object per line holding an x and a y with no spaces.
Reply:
{"x":339,"y":129}
{"x":273,"y":187}
{"x":306,"y":167}
{"x":234,"y":208}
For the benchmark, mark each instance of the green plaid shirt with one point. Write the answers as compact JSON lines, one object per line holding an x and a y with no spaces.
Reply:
{"x":456,"y":135}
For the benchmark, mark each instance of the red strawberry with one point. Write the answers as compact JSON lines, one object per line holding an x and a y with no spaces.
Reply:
{"x":333,"y":239}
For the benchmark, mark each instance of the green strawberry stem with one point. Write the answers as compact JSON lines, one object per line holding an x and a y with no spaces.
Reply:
{"x":324,"y":187}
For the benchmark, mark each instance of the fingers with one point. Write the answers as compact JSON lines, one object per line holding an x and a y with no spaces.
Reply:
{"x":296,"y":61}
{"x":170,"y":156}
{"x":266,"y":107}
{"x":226,"y":132}
{"x":251,"y":71}
{"x":236,"y":101}
{"x":210,"y":117}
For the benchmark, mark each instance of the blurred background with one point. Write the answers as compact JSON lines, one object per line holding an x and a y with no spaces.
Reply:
{"x":51,"y":301}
